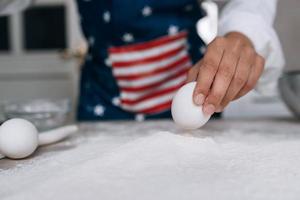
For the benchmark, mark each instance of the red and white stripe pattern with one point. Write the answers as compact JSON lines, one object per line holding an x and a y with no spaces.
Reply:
{"x":148,"y":74}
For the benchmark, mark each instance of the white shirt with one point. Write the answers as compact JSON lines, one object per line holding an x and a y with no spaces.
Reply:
{"x":254,"y":18}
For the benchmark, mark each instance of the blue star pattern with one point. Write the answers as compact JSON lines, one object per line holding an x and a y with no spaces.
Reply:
{"x":106,"y":16}
{"x":113,"y":23}
{"x":172,"y":30}
{"x":147,"y":11}
{"x":128,"y":37}
{"x":116,"y":101}
{"x":99,"y":110}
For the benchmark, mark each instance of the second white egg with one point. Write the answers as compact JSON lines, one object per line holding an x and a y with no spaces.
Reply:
{"x":18,"y":138}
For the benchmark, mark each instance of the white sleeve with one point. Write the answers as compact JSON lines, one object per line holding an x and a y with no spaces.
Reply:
{"x":254,"y":18}
{"x":10,"y":6}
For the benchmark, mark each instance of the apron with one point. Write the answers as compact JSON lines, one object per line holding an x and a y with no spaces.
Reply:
{"x":139,"y":54}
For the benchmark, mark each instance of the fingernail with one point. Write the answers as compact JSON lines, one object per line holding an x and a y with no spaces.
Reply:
{"x":199,"y":99}
{"x":209,"y":109}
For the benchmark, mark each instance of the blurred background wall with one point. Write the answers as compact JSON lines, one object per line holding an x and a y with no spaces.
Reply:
{"x":288,"y":27}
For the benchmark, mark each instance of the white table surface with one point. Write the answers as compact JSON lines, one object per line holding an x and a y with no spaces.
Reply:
{"x":227,"y":159}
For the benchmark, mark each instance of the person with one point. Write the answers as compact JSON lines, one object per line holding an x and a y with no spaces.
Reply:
{"x":142,"y":51}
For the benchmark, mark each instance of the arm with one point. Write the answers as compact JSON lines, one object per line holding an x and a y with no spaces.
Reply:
{"x":255,"y":20}
{"x":235,"y":60}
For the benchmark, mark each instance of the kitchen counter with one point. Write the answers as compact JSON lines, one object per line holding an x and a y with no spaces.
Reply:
{"x":226,"y":159}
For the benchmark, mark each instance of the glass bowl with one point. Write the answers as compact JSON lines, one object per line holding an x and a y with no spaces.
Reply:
{"x":45,"y":114}
{"x":289,"y":87}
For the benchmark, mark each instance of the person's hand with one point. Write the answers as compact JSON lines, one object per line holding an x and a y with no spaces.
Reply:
{"x":229,"y":69}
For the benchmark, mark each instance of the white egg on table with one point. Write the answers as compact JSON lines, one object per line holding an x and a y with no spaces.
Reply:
{"x":18,"y":138}
{"x":185,"y":113}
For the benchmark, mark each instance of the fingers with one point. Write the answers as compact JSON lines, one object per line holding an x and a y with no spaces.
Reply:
{"x":229,"y":70}
{"x":240,"y":78}
{"x":255,"y":73}
{"x":192,"y":74}
{"x":222,"y":80}
{"x":208,"y":69}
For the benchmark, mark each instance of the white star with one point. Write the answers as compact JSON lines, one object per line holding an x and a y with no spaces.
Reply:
{"x":173,"y":30}
{"x":106,"y":16}
{"x":91,"y":40}
{"x":188,"y":7}
{"x":128,"y":37}
{"x":108,"y":62}
{"x":202,"y":49}
{"x":99,"y":110}
{"x":116,"y":101}
{"x":147,"y":11}
{"x":139,"y":117}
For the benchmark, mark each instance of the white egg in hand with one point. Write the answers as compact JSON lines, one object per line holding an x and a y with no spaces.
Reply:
{"x":18,"y":138}
{"x":184,"y":112}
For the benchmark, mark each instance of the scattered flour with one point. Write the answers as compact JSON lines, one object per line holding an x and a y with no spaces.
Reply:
{"x":163,"y":165}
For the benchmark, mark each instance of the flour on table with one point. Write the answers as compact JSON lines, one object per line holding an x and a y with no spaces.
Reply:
{"x":163,"y":165}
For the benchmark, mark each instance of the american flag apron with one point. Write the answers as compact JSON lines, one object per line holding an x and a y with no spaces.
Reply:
{"x":148,"y":74}
{"x":137,"y":56}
